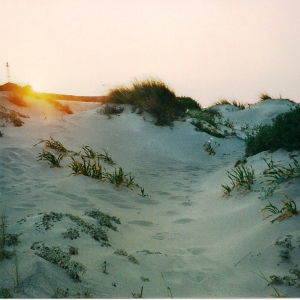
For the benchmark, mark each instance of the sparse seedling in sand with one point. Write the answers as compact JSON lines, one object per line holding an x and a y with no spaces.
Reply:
{"x":104,"y":267}
{"x":129,"y":256}
{"x":87,"y":167}
{"x":208,"y":147}
{"x":288,"y":210}
{"x":241,"y":177}
{"x":226,"y":190}
{"x":138,"y":295}
{"x":53,"y":144}
{"x":143,"y":193}
{"x":119,"y":178}
{"x":278,"y":173}
{"x":55,"y":161}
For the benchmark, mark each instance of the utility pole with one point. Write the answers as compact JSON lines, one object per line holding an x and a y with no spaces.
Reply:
{"x":7,"y":72}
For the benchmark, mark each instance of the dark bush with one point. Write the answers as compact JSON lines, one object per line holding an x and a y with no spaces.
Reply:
{"x":283,"y":133}
{"x":189,"y":103}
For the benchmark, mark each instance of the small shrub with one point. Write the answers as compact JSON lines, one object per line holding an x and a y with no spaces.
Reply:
{"x":55,"y":161}
{"x":71,"y":233}
{"x":104,"y":219}
{"x":12,"y":239}
{"x":130,"y":257}
{"x":189,"y":103}
{"x":61,"y":258}
{"x":110,"y":110}
{"x":284,"y":132}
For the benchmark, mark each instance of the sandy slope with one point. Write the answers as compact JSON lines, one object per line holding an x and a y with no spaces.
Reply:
{"x":190,"y":241}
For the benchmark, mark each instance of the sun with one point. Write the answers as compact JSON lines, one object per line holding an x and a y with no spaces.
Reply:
{"x":36,"y":87}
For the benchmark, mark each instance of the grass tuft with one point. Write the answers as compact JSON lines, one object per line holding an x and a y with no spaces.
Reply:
{"x":152,"y":96}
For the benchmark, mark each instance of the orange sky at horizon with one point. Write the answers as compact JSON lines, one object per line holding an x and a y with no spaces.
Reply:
{"x":204,"y":49}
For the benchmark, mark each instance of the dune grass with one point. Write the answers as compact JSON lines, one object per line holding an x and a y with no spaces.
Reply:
{"x":233,"y":102}
{"x":155,"y":97}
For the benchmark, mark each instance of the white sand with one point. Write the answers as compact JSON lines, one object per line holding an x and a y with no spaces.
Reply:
{"x":203,"y":245}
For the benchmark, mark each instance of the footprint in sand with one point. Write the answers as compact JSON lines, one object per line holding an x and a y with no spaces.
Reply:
{"x":183,"y":221}
{"x":141,"y":223}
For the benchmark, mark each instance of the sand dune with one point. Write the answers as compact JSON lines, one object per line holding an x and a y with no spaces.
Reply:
{"x":181,"y":239}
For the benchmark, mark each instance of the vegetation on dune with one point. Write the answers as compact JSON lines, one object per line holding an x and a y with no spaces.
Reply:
{"x":233,"y":102}
{"x":11,"y":116}
{"x":283,"y":133}
{"x":154,"y":97}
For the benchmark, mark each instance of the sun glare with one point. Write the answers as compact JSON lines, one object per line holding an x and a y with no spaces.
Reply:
{"x":36,"y":87}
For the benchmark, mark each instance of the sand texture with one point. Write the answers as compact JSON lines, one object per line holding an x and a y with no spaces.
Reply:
{"x":178,"y":235}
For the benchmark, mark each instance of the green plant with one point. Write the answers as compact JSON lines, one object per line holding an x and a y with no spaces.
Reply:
{"x":168,"y":288}
{"x":279,"y":173}
{"x":241,"y":177}
{"x":119,"y":178}
{"x":208,"y":147}
{"x":277,"y":294}
{"x":104,"y":219}
{"x":53,"y":144}
{"x":138,"y":295}
{"x":266,"y":192}
{"x":271,"y":208}
{"x":87,"y":167}
{"x":106,"y":158}
{"x":61,"y":258}
{"x":143,"y":193}
{"x":283,"y":132}
{"x":130,"y":257}
{"x":71,"y":233}
{"x":188,"y":103}
{"x":104,"y":267}
{"x":55,"y":161}
{"x":12,"y":239}
{"x":5,"y":293}
{"x":288,"y":210}
{"x":61,"y":293}
{"x":226,"y":190}
{"x":110,"y":110}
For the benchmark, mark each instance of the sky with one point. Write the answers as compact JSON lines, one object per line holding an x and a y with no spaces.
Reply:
{"x":204,"y":49}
